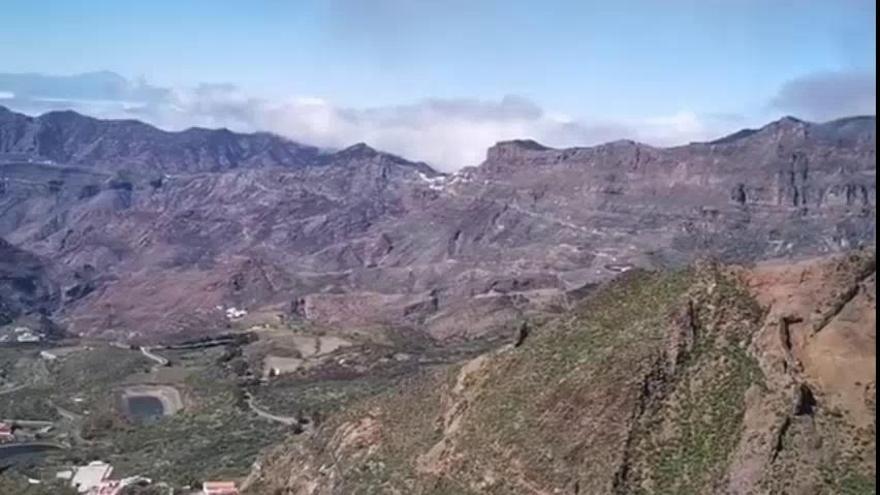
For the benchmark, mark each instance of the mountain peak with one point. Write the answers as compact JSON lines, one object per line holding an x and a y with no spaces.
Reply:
{"x":68,"y":137}
{"x":784,"y":124}
{"x":623,"y":143}
{"x":787,"y":122}
{"x":363,"y":151}
{"x":64,"y":113}
{"x":789,"y":119}
{"x":360,"y":149}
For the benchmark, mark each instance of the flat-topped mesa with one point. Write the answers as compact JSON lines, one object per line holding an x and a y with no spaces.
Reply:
{"x":510,"y":156}
{"x":517,"y":149}
{"x":507,"y":157}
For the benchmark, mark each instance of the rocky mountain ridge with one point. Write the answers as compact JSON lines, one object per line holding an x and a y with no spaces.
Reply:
{"x":69,"y":138}
{"x":148,"y":232}
{"x":711,"y":379}
{"x":25,"y":285}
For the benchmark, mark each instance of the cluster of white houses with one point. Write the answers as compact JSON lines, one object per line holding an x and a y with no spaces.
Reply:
{"x":95,"y":479}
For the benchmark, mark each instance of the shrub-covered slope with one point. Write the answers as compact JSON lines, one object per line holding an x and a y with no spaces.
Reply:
{"x":709,"y":380}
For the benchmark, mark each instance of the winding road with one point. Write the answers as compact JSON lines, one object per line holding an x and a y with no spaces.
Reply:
{"x":13,"y":389}
{"x":285,"y":420}
{"x":68,"y":415}
{"x":155,"y":357}
{"x":30,"y":423}
{"x":75,"y":423}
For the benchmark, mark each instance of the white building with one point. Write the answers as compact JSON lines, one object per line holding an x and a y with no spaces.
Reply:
{"x":90,"y":476}
{"x":219,"y":488}
{"x":48,"y":356}
{"x":234,"y":313}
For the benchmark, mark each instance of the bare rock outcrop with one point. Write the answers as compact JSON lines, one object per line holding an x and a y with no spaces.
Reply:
{"x":152,"y":211}
{"x":656,"y":383}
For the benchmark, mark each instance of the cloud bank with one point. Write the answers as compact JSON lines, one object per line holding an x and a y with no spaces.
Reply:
{"x":829,"y":95}
{"x":447,"y":133}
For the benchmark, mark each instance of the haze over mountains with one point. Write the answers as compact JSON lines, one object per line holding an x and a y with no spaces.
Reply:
{"x":143,"y":234}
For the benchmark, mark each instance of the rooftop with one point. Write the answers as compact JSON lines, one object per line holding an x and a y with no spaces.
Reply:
{"x":219,"y":488}
{"x":90,"y":476}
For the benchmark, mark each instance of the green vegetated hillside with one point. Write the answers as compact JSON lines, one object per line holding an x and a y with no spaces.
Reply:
{"x":214,"y":436}
{"x":659,"y":383}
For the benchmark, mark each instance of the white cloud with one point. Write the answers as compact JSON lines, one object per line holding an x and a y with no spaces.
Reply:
{"x":829,"y":95}
{"x":447,"y":133}
{"x":6,"y":95}
{"x":451,"y":134}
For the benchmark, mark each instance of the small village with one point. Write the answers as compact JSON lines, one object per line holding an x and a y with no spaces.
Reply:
{"x":96,"y":477}
{"x":32,"y":438}
{"x":146,"y":393}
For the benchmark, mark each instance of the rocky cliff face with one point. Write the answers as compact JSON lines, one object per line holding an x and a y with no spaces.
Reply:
{"x":763,"y":185}
{"x":26,"y":286}
{"x":170,"y":225}
{"x":706,"y":380}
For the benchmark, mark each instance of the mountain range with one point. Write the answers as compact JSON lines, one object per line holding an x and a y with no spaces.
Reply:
{"x":135,"y":233}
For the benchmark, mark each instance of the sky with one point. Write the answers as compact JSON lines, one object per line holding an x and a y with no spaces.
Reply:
{"x":441,"y":80}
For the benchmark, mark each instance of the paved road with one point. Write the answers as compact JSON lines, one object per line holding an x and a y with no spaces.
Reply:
{"x":75,"y":421}
{"x":28,"y":422}
{"x":285,"y":420}
{"x":68,"y":415}
{"x":155,"y":357}
{"x":13,"y":389}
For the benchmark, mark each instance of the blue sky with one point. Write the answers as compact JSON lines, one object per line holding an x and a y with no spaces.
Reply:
{"x":663,"y":70}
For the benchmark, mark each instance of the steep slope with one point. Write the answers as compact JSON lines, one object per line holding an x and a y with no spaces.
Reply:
{"x":361,"y":238}
{"x":26,"y":288}
{"x":195,"y":241}
{"x":768,"y":192}
{"x":706,"y":380}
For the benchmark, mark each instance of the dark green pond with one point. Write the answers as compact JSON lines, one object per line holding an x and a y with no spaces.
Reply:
{"x":22,"y":453}
{"x":144,"y":408}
